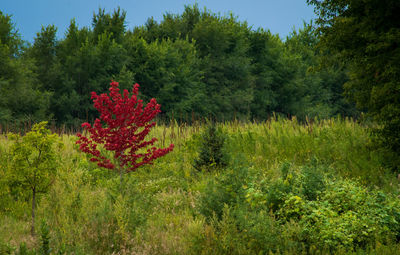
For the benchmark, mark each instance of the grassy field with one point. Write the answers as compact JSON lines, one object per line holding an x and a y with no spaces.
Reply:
{"x":289,"y":188}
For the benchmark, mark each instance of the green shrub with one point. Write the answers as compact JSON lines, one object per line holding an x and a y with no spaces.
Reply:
{"x":313,"y":182}
{"x":259,"y":230}
{"x":331,"y":214}
{"x":272,"y":194}
{"x":44,"y":238}
{"x":212,"y":154}
{"x":226,"y":189}
{"x":350,"y":216}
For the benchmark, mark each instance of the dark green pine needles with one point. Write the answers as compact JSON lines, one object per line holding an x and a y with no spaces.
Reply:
{"x":211,"y":154}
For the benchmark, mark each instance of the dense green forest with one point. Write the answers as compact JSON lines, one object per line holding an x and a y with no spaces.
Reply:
{"x":196,"y":63}
{"x":270,"y":145}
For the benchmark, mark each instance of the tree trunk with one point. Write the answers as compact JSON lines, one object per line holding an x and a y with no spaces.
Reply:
{"x":33,"y":211}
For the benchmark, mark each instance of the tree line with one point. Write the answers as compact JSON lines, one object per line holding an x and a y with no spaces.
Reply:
{"x":196,"y":62}
{"x":365,"y":36}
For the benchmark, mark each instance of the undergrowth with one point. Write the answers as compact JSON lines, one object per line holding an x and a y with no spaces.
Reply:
{"x":288,"y":188}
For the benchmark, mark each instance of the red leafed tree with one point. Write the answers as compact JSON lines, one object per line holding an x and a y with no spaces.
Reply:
{"x":122,"y":128}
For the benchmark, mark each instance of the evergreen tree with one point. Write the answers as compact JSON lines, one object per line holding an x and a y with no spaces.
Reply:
{"x":211,"y":154}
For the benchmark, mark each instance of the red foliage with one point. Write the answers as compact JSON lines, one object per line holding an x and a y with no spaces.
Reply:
{"x":127,"y":125}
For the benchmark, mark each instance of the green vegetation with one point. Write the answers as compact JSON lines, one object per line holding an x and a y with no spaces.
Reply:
{"x":196,"y":63}
{"x":288,"y":188}
{"x":212,"y":154}
{"x":306,"y":177}
{"x":33,"y":163}
{"x":365,"y":34}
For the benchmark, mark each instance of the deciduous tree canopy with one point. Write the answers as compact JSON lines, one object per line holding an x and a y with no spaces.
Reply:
{"x":195,"y":62}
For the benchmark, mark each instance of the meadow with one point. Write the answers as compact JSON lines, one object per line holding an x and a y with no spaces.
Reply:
{"x":318,"y":187}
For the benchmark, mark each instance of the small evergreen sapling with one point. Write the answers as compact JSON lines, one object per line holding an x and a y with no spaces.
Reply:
{"x":211,"y":154}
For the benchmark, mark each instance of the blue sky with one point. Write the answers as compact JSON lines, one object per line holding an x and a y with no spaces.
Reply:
{"x":279,"y":16}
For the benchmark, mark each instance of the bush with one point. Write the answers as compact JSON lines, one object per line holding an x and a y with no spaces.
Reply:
{"x":212,"y":154}
{"x":259,"y":230}
{"x":330,"y":214}
{"x":346,"y":215}
{"x":226,"y":189}
{"x":267,"y":195}
{"x":313,"y":182}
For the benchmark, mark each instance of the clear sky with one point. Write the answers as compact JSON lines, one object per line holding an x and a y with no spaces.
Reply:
{"x":279,"y":16}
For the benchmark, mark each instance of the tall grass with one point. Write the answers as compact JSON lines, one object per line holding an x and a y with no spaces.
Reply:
{"x":159,"y":211}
